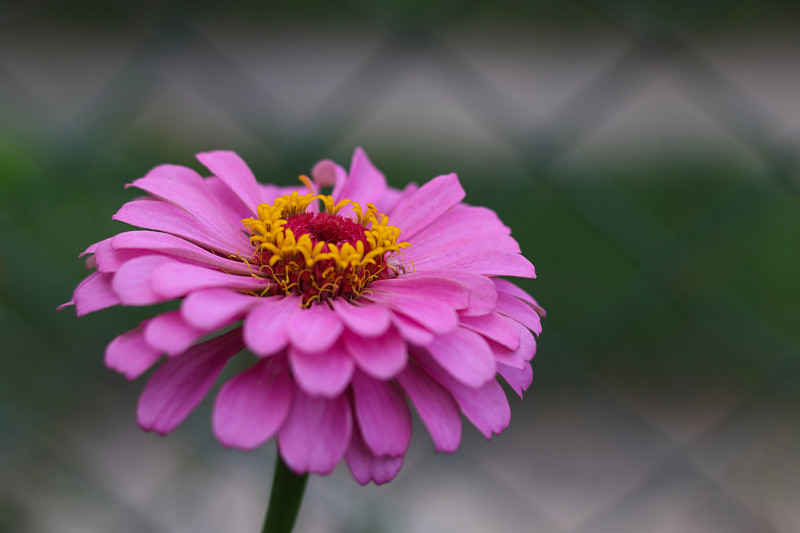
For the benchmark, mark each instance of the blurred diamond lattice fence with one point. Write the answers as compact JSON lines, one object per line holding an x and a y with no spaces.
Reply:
{"x":665,"y":239}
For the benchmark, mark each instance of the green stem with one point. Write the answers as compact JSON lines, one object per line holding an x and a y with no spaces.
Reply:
{"x":285,"y":500}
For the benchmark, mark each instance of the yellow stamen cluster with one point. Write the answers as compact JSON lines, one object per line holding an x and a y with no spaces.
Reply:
{"x":309,"y":265}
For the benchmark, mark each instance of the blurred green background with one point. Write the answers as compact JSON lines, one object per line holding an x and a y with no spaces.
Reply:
{"x":644,"y":154}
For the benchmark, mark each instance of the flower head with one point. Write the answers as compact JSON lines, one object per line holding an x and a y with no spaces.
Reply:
{"x":351,"y":302}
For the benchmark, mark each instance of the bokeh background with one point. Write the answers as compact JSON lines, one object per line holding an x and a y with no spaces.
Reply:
{"x":644,"y":153}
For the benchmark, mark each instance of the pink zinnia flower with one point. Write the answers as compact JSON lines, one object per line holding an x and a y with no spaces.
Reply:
{"x":351,"y":303}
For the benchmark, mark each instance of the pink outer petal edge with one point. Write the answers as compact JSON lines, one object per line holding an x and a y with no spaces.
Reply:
{"x":486,"y":406}
{"x":322,"y":374}
{"x":316,"y":433}
{"x":252,"y":406}
{"x":382,"y":415}
{"x":265,"y":331}
{"x":181,"y":383}
{"x":382,"y":357}
{"x":235,"y":173}
{"x":435,"y":406}
{"x":314,"y":329}
{"x":426,"y":205}
{"x":366,"y":319}
{"x":210,"y":309}
{"x":94,"y":293}
{"x":366,"y":466}
{"x":130,"y":355}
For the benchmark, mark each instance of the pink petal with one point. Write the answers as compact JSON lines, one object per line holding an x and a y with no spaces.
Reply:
{"x":382,"y":415}
{"x":465,"y":355}
{"x":365,"y":318}
{"x":436,"y":316}
{"x":185,"y":188}
{"x":520,"y":311}
{"x":130,"y":355}
{"x":518,"y":379}
{"x":366,"y":466}
{"x":382,"y":357}
{"x":173,"y":280}
{"x":210,"y":309}
{"x":427,"y":204}
{"x":393,"y":197}
{"x":228,"y":199}
{"x":527,"y":345}
{"x":365,"y":182}
{"x":495,"y":327}
{"x":162,"y":216}
{"x":447,"y":252}
{"x":443,"y":290}
{"x":464,"y":226}
{"x":316,"y":433}
{"x":133,"y":281}
{"x":107,"y":259}
{"x":509,"y":288}
{"x":526,"y":349}
{"x":486,"y":262}
{"x":412,"y":331}
{"x":169,"y":333}
{"x":113,"y":260}
{"x":486,"y":406}
{"x":314,"y":329}
{"x":94,"y":293}
{"x":251,"y":407}
{"x":481,"y":290}
{"x":521,"y":356}
{"x":503,"y":355}
{"x":181,"y":383}
{"x":326,"y":173}
{"x":232,"y":170}
{"x":92,"y":247}
{"x":322,"y":373}
{"x":176,"y":247}
{"x":265,"y":331}
{"x":435,"y":406}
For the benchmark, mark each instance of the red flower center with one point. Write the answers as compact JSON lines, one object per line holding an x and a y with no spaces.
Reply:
{"x":324,"y":227}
